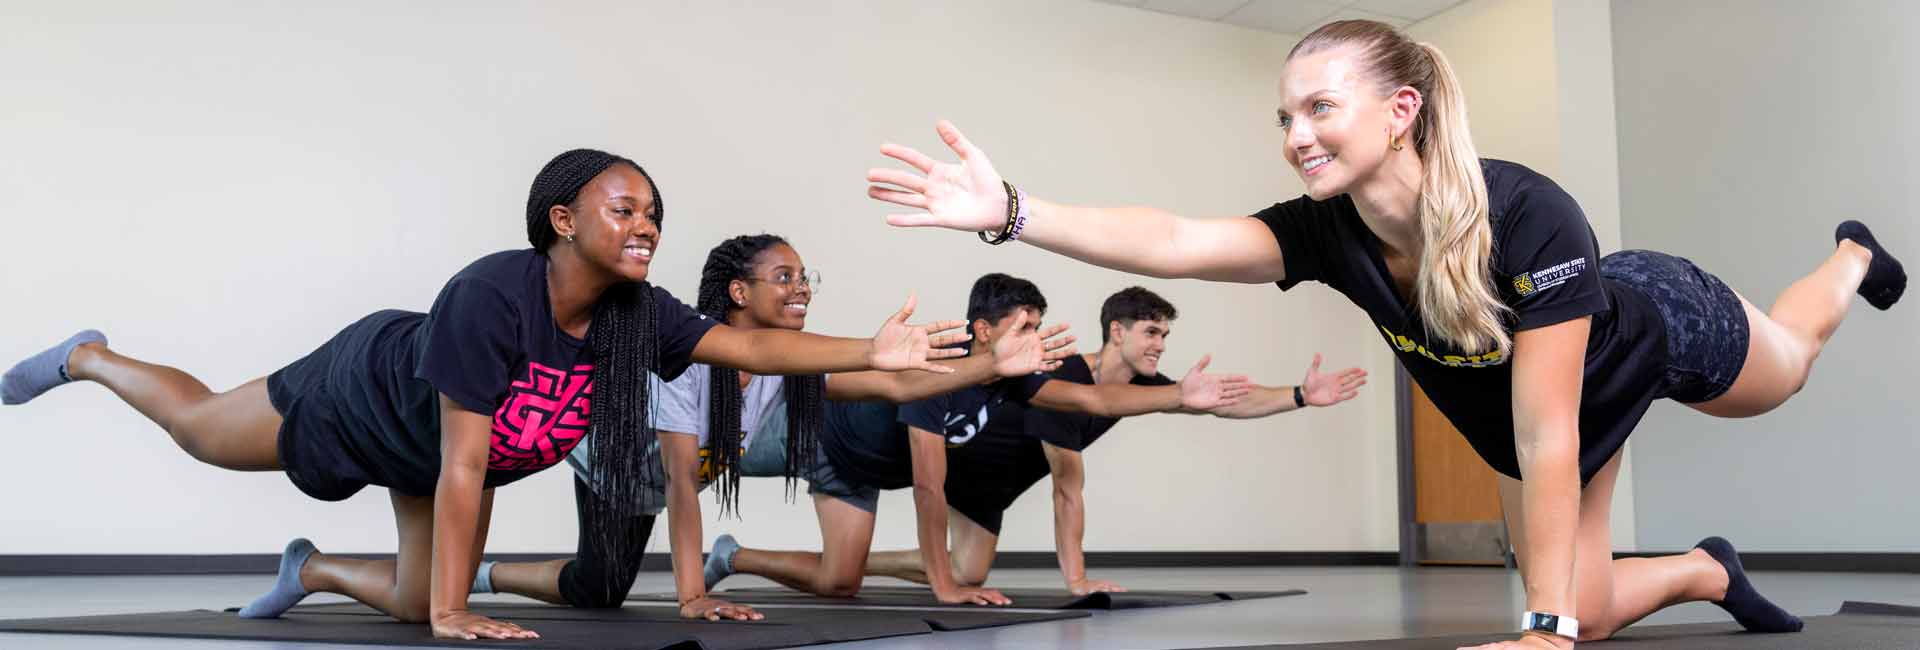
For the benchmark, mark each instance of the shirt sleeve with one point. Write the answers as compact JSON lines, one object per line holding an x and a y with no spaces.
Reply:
{"x":1305,"y":236}
{"x":678,"y":329}
{"x":1063,"y":430}
{"x":1551,"y":259}
{"x":1022,"y":389}
{"x":680,"y":405}
{"x":472,"y":335}
{"x":928,"y":414}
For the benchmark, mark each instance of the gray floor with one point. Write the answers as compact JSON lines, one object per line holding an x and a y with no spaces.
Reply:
{"x":1344,"y":604}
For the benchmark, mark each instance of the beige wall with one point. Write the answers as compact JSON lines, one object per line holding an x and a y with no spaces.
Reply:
{"x":1747,"y":132}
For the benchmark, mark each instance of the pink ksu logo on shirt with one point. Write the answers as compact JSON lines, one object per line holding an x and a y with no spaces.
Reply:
{"x":543,"y":418}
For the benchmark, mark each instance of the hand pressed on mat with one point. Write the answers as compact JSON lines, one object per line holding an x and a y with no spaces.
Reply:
{"x":1086,"y":586}
{"x":975,"y":595}
{"x":1529,"y":641}
{"x":714,"y":609}
{"x":462,"y":624}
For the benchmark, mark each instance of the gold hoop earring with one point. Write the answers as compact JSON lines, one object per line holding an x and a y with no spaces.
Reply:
{"x":569,"y":239}
{"x":1395,"y":143}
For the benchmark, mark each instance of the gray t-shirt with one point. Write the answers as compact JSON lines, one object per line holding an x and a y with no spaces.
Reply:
{"x":680,"y":407}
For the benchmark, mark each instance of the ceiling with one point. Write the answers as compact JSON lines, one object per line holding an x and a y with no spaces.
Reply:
{"x":1294,"y":16}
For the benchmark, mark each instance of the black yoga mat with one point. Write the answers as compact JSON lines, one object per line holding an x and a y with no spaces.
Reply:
{"x":1022,"y":598}
{"x":560,"y":628}
{"x":861,"y":619}
{"x":1857,"y":626}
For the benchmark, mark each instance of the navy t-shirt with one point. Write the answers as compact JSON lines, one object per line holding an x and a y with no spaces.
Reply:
{"x":991,"y":471}
{"x":491,"y":345}
{"x":870,"y":451}
{"x":1546,"y":265}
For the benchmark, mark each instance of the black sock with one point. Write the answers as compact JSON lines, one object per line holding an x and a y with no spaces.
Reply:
{"x":1886,"y":278}
{"x":1747,"y":606}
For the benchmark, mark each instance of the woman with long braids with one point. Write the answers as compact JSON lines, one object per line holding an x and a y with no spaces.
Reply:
{"x":522,"y":353}
{"x":716,"y":426}
{"x":1487,"y":280}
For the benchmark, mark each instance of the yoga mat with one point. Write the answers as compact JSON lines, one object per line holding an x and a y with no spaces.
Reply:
{"x":1022,"y":598}
{"x":635,"y":628}
{"x":829,"y":620}
{"x":1857,"y":626}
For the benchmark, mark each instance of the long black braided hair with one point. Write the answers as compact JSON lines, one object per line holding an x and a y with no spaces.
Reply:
{"x":733,"y":260}
{"x":624,"y":349}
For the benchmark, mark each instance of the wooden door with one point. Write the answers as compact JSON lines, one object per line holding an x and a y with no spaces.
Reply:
{"x":1456,"y":495}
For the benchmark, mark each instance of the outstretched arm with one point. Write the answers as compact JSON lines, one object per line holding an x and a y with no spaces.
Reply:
{"x":1016,"y":354}
{"x":1317,"y":389}
{"x":897,"y":346}
{"x":969,"y":195}
{"x":1198,"y":391}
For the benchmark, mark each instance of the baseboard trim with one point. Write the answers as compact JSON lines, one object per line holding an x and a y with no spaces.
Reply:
{"x":83,"y":565}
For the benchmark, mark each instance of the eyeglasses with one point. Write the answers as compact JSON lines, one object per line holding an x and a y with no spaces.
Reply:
{"x":786,"y":278}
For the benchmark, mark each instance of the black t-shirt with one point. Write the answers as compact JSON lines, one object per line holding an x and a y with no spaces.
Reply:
{"x":870,"y":452}
{"x":988,"y":473}
{"x":1546,"y":264}
{"x":491,"y":345}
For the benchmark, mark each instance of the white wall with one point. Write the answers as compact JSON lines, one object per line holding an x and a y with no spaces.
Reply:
{"x":1746,"y":132}
{"x":1538,"y":80}
{"x":222,"y":186}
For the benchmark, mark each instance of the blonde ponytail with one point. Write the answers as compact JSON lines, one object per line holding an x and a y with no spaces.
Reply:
{"x":1454,"y":288}
{"x":1455,"y":285}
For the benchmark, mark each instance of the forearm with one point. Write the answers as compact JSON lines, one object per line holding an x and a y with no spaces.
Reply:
{"x":685,"y":537}
{"x":1107,"y":400}
{"x":910,"y":385}
{"x":456,"y":523}
{"x":1261,"y":402}
{"x":930,"y":511}
{"x":1069,"y":531}
{"x":1550,"y":503}
{"x":786,"y":352}
{"x":1122,"y":239}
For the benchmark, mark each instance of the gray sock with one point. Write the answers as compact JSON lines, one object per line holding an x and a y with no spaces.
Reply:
{"x":720,"y":561}
{"x":483,"y":579}
{"x":287,"y":590}
{"x":42,"y":372}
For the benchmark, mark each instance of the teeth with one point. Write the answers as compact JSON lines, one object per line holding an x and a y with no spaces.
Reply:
{"x":798,"y":307}
{"x":1315,"y":162}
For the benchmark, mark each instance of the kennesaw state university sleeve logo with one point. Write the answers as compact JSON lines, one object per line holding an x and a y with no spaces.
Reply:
{"x":1527,"y":284}
{"x":1523,"y":284}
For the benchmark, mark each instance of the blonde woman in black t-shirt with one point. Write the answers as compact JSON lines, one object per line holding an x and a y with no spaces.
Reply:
{"x":1486,"y":279}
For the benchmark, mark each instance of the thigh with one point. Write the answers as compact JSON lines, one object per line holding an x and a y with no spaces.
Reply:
{"x":846,"y":536}
{"x":973,"y":548}
{"x":1775,"y":368}
{"x":238,"y":429}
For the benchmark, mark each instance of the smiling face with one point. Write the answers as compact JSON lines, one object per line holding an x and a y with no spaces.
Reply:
{"x":1141,"y":343}
{"x":776,"y":293}
{"x":1336,"y":121}
{"x":614,"y":221}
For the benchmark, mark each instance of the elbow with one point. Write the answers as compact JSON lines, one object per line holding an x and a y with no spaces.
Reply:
{"x":1066,"y":499}
{"x":1548,"y":458}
